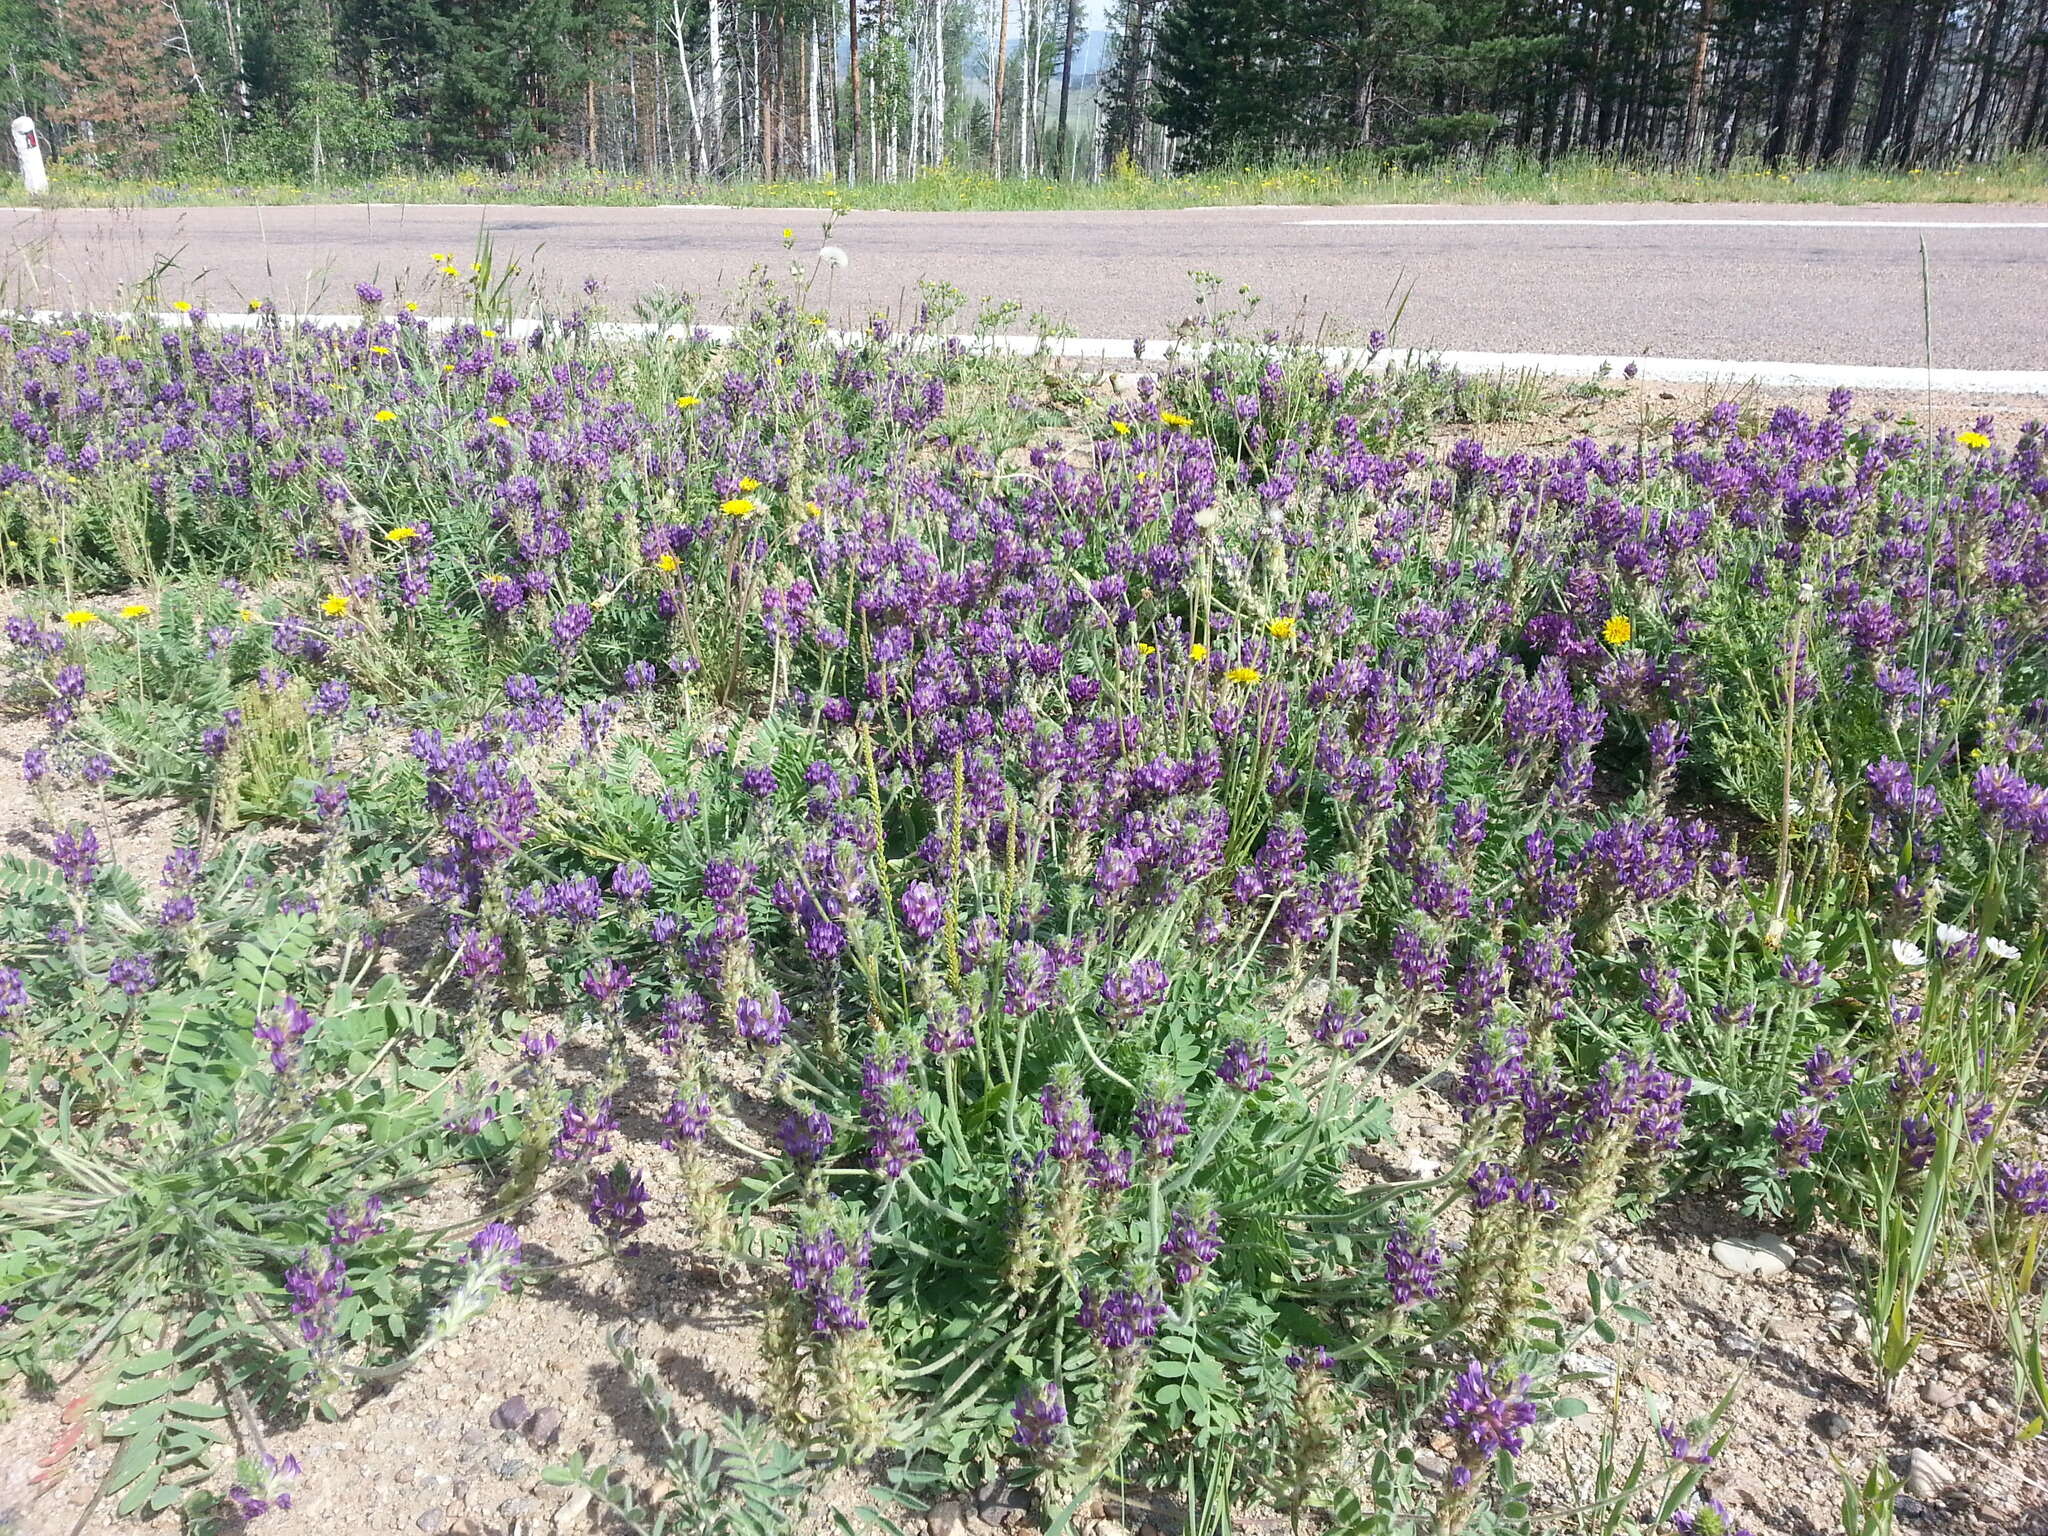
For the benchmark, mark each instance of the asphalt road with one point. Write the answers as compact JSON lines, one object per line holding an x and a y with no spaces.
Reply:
{"x":1785,"y":282}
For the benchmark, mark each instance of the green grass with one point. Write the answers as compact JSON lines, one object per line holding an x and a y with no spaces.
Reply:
{"x":1580,"y":180}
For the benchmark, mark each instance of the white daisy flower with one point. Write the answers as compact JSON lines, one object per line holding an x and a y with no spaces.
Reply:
{"x":1949,"y":933}
{"x":2000,"y":948}
{"x":1908,"y":954}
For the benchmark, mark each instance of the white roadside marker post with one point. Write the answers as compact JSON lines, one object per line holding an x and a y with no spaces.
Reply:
{"x":28,"y":149}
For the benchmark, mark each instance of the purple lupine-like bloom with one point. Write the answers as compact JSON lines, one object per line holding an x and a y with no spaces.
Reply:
{"x":584,"y":1133}
{"x":272,"y":1490}
{"x":1110,"y":1169}
{"x":1492,"y":1183}
{"x":1916,"y":1141}
{"x":1029,"y":979}
{"x":1681,"y":1447}
{"x":923,"y":909}
{"x":317,"y":1286}
{"x":605,"y":982}
{"x":1244,"y":1065}
{"x":1823,"y":1076}
{"x":1341,"y":1028}
{"x":618,"y":1203}
{"x":1664,"y":998}
{"x":1486,"y":1416}
{"x":805,"y":1137}
{"x":1806,"y":975}
{"x":1414,"y":1263}
{"x":687,"y":1119}
{"x":639,"y":676}
{"x":948,"y":1031}
{"x":1420,"y":958}
{"x":1130,"y":990}
{"x":132,"y":974}
{"x":347,"y":1226}
{"x":1191,"y":1244}
{"x":496,"y":1245}
{"x":758,"y":782}
{"x":632,"y":881}
{"x":370,"y":294}
{"x":762,"y":1022}
{"x":832,"y":1275}
{"x":539,"y":1045}
{"x":13,"y":992}
{"x":76,"y":854}
{"x":889,"y":1106}
{"x":2024,"y":1188}
{"x":1064,"y":1112}
{"x":1911,"y":1072}
{"x":1039,"y":1414}
{"x":570,"y":626}
{"x":1124,"y":1319}
{"x":682,"y":1013}
{"x":1159,"y":1122}
{"x":282,"y":1029}
{"x":1800,"y":1134}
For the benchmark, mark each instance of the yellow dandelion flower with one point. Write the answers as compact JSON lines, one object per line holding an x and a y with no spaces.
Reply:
{"x":247,"y":615}
{"x":412,"y":306}
{"x":449,"y":271}
{"x":668,"y":562}
{"x":812,"y":509}
{"x":447,"y":367}
{"x":135,"y":611}
{"x":749,"y":483}
{"x":1175,"y":419}
{"x":385,"y":415}
{"x":381,"y":351}
{"x":499,"y":421}
{"x":78,"y":618}
{"x":1617,"y":630}
{"x":404,"y":533}
{"x":1241,"y":675}
{"x":438,"y":257}
{"x":1974,"y":440}
{"x":490,"y":335}
{"x":1198,"y":652}
{"x":1120,"y":428}
{"x":335,"y":605}
{"x":183,"y":306}
{"x":738,"y":506}
{"x":1146,"y":650}
{"x":789,"y":234}
{"x":255,"y":305}
{"x":1282,"y":629}
{"x":684,"y":402}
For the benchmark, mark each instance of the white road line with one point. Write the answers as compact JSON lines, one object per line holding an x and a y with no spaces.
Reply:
{"x":1731,"y":373}
{"x":1973,"y":224}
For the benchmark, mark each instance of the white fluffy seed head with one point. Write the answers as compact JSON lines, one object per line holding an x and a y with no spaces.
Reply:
{"x":832,"y":256}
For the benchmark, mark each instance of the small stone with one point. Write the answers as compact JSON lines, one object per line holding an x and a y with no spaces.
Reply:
{"x":1432,"y":1466}
{"x":436,"y":1482}
{"x":1739,"y":1345}
{"x":511,"y":1413}
{"x":1830,"y":1425}
{"x":572,"y":1510}
{"x":1927,"y":1475}
{"x":1763,"y":1256}
{"x":1582,"y":1363}
{"x":513,"y":1470}
{"x":1939,"y":1394}
{"x":520,"y":1507}
{"x":473,"y":1437}
{"x":545,"y":1427}
{"x":432,"y":1521}
{"x":1109,"y":1527}
{"x":1000,"y":1514}
{"x":947,"y":1518}
{"x":1777,"y":1330}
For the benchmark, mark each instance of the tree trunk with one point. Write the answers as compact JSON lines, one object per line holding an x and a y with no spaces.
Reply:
{"x":1848,"y":72}
{"x":995,"y":117}
{"x":1784,"y":86}
{"x":1689,"y":136}
{"x":1066,"y":81}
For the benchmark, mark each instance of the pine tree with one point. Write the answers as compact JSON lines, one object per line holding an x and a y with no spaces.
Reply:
{"x":121,"y":86}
